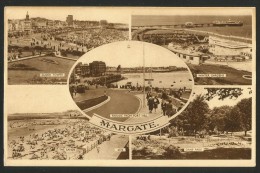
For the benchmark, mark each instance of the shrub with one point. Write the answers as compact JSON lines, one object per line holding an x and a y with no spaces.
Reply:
{"x":172,"y":152}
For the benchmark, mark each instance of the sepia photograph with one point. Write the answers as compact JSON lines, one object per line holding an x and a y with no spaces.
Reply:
{"x":130,"y":80}
{"x":43,"y":46}
{"x":129,"y":86}
{"x":217,"y":48}
{"x":217,"y":124}
{"x":57,"y":133}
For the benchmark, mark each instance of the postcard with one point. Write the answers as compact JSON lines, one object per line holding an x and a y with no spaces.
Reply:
{"x":130,"y":86}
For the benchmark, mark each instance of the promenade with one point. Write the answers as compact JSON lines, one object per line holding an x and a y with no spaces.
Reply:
{"x":108,"y":149}
{"x":143,"y":110}
{"x":25,"y":58}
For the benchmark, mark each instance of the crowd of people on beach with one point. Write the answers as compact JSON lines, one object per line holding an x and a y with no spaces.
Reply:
{"x":70,"y":40}
{"x":63,"y":139}
{"x":94,"y":37}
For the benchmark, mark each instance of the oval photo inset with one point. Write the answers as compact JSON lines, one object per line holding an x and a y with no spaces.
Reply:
{"x":130,"y":82}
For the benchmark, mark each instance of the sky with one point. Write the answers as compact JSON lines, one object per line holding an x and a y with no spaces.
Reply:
{"x":116,"y":14}
{"x":217,"y":103}
{"x":130,"y":54}
{"x":194,"y":11}
{"x":60,"y":13}
{"x":38,"y":99}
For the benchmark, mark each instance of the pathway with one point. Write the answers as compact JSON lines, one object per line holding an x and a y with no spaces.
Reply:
{"x":144,"y":111}
{"x":108,"y":149}
{"x":28,"y":57}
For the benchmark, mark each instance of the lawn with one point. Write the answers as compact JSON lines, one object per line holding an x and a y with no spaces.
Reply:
{"x":24,"y":76}
{"x":121,"y":102}
{"x":232,"y":147}
{"x":220,"y":153}
{"x":233,"y":76}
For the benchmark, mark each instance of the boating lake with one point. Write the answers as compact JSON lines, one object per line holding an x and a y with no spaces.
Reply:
{"x":160,"y":80}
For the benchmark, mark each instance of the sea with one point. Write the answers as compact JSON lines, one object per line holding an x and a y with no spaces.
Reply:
{"x":144,"y":20}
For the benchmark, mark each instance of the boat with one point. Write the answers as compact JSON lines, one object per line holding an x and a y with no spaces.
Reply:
{"x":189,"y":25}
{"x":227,"y":23}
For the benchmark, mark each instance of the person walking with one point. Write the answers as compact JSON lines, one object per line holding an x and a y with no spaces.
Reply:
{"x":148,"y":95}
{"x":164,"y":95}
{"x":150,"y":104}
{"x":155,"y":103}
{"x":164,"y":106}
{"x":169,"y":109}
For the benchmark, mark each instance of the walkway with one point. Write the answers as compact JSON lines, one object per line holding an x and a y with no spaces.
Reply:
{"x":144,"y":111}
{"x":25,"y":58}
{"x":63,"y":57}
{"x":108,"y":149}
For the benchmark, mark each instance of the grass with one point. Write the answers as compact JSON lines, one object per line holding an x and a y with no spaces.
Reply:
{"x":219,"y":153}
{"x":173,"y":148}
{"x":24,"y":76}
{"x":120,"y":103}
{"x":91,"y":102}
{"x":233,"y":76}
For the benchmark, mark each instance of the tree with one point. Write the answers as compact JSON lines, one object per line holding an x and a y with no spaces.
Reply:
{"x":223,"y":93}
{"x":194,"y":117}
{"x":233,"y":121}
{"x":217,"y":118}
{"x":245,"y":113}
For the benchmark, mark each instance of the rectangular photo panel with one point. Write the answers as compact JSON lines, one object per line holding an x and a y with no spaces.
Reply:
{"x":42,"y":46}
{"x":216,"y":125}
{"x":217,"y":47}
{"x":51,"y":128}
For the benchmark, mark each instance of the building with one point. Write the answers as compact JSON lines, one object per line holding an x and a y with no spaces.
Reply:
{"x":85,"y":70}
{"x":11,"y":26}
{"x":82,"y":69}
{"x":69,"y":20}
{"x":189,"y":57}
{"x":39,"y":25}
{"x":50,"y":24}
{"x":97,"y":68}
{"x":27,"y":24}
{"x":78,"y":68}
{"x":221,"y":47}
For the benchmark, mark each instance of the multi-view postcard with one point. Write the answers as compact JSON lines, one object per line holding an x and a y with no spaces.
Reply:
{"x":128,"y":86}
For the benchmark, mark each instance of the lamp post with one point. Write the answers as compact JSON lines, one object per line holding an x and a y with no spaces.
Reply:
{"x":143,"y":77}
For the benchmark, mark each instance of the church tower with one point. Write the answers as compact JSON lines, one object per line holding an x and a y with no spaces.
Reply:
{"x":27,"y":16}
